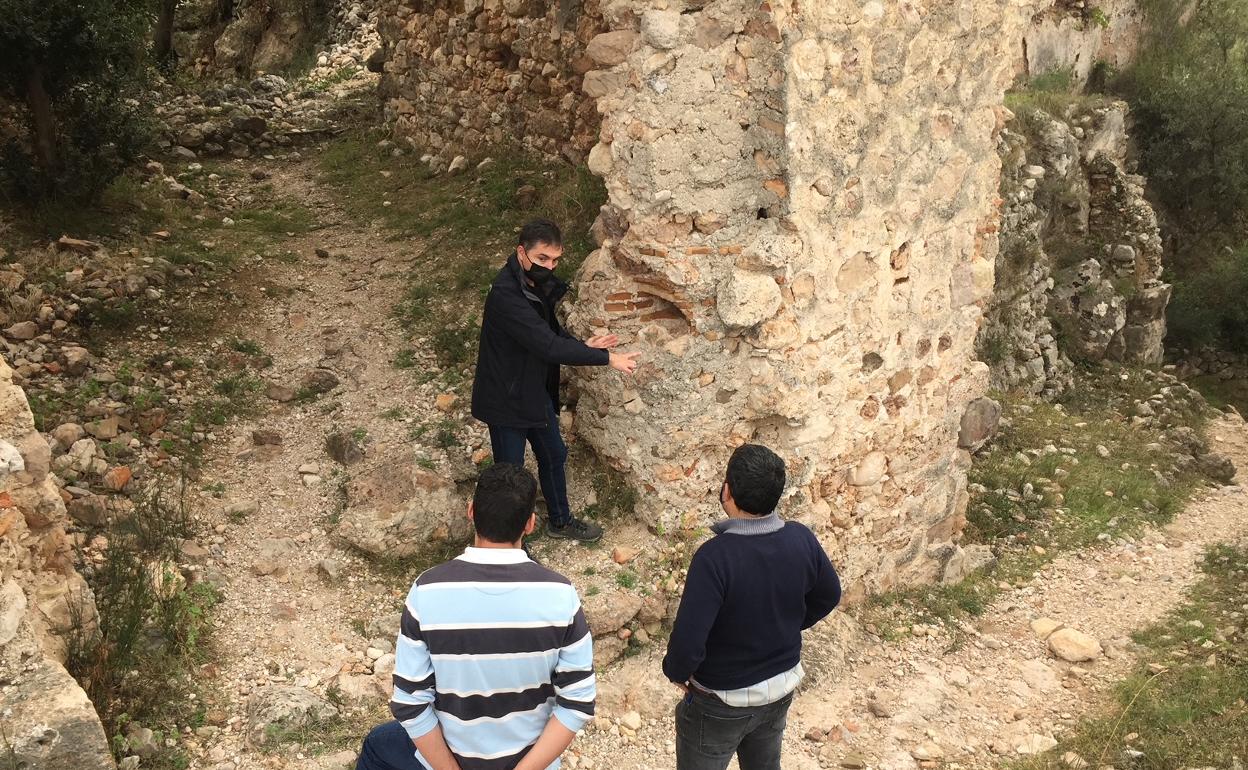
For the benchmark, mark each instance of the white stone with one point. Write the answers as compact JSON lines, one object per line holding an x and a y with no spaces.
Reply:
{"x":1035,"y":744}
{"x":869,"y":470}
{"x":1043,"y":627}
{"x":661,"y":29}
{"x":1073,"y":646}
{"x":748,"y":298}
{"x":600,"y":160}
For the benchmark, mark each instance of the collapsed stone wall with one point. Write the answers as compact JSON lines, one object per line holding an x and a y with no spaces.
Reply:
{"x":800,"y":237}
{"x":48,"y":720}
{"x":461,"y":75}
{"x":1078,"y":274}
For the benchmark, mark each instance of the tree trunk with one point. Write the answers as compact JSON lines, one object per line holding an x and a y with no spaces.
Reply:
{"x":42,"y":121}
{"x":163,"y":34}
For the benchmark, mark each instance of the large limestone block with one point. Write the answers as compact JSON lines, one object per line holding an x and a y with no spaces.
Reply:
{"x":748,"y":298}
{"x":49,"y":723}
{"x":278,"y":709}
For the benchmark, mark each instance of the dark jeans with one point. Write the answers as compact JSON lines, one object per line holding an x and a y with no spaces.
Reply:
{"x":552,"y":455}
{"x":387,"y":747}
{"x":709,"y":732}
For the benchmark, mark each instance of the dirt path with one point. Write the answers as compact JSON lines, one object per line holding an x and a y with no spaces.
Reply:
{"x":974,"y":700}
{"x":303,"y":612}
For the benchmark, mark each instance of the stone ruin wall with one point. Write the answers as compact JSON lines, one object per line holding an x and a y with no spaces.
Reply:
{"x":48,"y":720}
{"x":1076,"y":35}
{"x":800,"y":236}
{"x":464,"y":75}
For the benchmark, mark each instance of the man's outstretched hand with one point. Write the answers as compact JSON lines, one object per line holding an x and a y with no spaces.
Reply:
{"x":603,"y":341}
{"x":624,"y":362}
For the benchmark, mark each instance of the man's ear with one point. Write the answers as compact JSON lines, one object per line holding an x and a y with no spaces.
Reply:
{"x":531,"y":524}
{"x":471,"y":513}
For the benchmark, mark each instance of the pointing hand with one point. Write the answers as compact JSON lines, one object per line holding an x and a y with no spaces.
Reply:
{"x":603,"y":341}
{"x":624,"y":362}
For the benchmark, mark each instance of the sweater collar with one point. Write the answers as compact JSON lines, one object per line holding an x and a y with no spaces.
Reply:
{"x":494,"y":555}
{"x":760,"y":525}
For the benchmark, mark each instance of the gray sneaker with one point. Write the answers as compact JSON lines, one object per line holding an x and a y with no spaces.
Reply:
{"x":576,"y":529}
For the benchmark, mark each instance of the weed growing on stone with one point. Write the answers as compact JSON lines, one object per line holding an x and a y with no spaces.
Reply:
{"x":1184,"y":705}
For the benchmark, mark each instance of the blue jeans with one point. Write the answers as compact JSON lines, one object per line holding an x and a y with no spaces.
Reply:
{"x":387,"y":747}
{"x":552,"y":455}
{"x":709,"y":732}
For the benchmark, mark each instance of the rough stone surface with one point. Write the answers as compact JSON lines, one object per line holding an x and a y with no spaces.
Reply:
{"x":1081,"y":254}
{"x":458,"y":81}
{"x":805,"y":152}
{"x":276,"y":709}
{"x":396,"y":508}
{"x":1073,"y":646}
{"x":48,"y":722}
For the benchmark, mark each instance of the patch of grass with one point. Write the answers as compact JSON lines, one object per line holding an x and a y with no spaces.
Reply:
{"x":626,"y":579}
{"x":616,"y":499}
{"x":1223,"y":393}
{"x":465,"y":224}
{"x":1054,"y":92}
{"x":1184,"y":705}
{"x":393,"y":413}
{"x":326,"y":735}
{"x":247,"y":347}
{"x":405,"y":359}
{"x":1060,"y":477}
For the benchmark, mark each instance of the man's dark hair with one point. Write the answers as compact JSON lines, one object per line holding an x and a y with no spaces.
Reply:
{"x":755,"y":476}
{"x":540,"y":231}
{"x":503,"y":502}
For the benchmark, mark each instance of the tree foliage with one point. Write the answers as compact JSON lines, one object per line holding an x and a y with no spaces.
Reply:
{"x":74,"y":67}
{"x":1189,"y":95}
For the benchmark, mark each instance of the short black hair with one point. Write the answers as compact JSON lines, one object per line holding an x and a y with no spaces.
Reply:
{"x":539,"y":231}
{"x":755,"y":476}
{"x":503,"y":502}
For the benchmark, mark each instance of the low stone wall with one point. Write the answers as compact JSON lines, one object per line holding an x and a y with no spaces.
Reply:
{"x":463,"y":75}
{"x":48,"y":720}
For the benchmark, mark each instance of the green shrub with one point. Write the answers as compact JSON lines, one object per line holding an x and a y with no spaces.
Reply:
{"x":76,"y":68}
{"x":1189,"y":96}
{"x":1207,"y":309}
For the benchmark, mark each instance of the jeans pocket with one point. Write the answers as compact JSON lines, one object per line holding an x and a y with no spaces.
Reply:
{"x":722,"y":733}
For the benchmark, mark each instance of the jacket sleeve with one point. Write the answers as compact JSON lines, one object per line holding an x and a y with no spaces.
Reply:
{"x":825,"y":593}
{"x":699,"y":607}
{"x":412,"y":701}
{"x":515,"y":316}
{"x":575,"y":685}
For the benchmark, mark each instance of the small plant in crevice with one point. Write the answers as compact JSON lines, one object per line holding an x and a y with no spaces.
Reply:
{"x":136,"y":657}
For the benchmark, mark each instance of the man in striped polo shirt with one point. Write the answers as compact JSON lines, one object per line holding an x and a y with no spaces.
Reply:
{"x":494,"y":664}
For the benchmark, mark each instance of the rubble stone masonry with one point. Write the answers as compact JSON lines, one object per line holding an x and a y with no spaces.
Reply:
{"x":800,"y":236}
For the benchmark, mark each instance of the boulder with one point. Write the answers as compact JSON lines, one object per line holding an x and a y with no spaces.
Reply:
{"x":396,"y":508}
{"x":610,"y":611}
{"x":1073,"y":646}
{"x":748,"y":298}
{"x":49,"y":724}
{"x":979,"y":423}
{"x":278,"y":709}
{"x":611,"y":48}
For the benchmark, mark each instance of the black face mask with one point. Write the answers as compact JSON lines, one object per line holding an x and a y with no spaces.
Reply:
{"x":543,"y":277}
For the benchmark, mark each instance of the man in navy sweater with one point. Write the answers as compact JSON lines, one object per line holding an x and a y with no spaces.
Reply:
{"x":737,"y":643}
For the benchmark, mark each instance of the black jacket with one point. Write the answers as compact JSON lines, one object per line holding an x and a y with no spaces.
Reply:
{"x":522,"y":346}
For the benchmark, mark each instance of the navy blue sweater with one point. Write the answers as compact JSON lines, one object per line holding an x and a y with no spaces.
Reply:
{"x":747,"y":600}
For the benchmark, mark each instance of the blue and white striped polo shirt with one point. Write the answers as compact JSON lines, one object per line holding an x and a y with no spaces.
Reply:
{"x":492,"y":646}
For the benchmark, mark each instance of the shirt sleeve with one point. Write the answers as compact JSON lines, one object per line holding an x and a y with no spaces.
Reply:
{"x":575,"y":685}
{"x":413,"y":698}
{"x":825,"y":592}
{"x":699,"y":607}
{"x":518,"y":320}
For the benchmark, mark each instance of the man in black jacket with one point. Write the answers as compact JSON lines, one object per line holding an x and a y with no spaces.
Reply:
{"x":516,"y":390}
{"x":736,"y":646}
